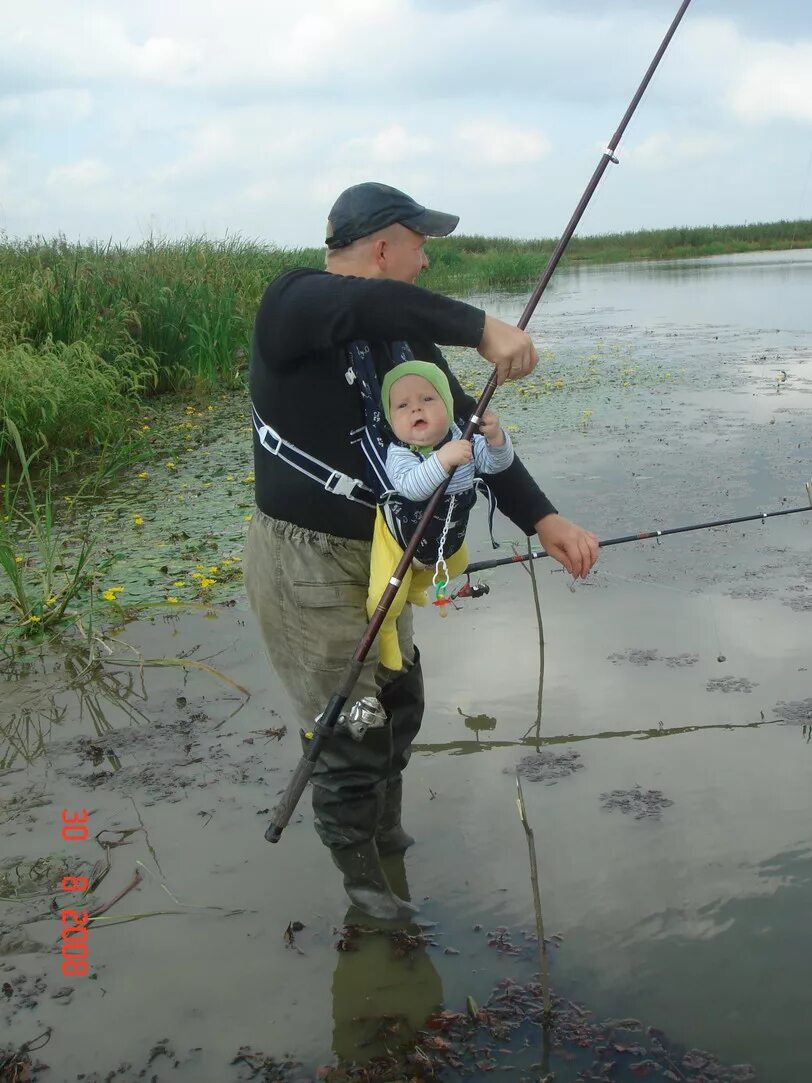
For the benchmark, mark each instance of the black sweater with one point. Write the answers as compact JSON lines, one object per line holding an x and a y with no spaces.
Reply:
{"x":297,"y":379}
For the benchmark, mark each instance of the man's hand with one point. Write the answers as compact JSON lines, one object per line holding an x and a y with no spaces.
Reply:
{"x":571,"y":545}
{"x":510,"y":350}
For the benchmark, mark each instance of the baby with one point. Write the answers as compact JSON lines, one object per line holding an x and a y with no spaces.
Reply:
{"x":417,"y":402}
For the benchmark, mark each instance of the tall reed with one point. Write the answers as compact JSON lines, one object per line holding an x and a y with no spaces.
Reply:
{"x":88,"y":330}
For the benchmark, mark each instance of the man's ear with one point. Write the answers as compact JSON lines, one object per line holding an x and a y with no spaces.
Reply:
{"x":379,"y":251}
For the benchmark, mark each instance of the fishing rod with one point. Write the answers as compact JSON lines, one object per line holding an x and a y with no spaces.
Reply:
{"x":325,"y":724}
{"x":645,"y":535}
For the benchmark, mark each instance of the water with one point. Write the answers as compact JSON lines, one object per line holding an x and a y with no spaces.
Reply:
{"x":659,"y":401}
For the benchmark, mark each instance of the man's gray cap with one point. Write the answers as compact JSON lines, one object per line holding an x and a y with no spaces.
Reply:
{"x":366,"y":208}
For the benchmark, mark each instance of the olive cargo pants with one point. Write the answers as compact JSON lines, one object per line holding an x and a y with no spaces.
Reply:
{"x":308,"y":591}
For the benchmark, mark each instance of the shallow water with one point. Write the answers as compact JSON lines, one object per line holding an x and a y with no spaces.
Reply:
{"x":694,"y":921}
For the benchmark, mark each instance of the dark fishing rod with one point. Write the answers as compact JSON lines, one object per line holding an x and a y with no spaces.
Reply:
{"x":645,"y":535}
{"x":324,"y":726}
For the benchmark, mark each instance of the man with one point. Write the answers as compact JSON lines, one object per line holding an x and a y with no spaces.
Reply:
{"x":307,"y":551}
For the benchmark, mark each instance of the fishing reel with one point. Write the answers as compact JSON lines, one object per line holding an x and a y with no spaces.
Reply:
{"x":468,"y":590}
{"x":366,"y":714}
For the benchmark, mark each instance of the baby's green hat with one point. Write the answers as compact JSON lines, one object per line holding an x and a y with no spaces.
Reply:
{"x":429,"y":371}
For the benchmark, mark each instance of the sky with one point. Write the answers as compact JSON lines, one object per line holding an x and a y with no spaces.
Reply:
{"x":174,"y":118}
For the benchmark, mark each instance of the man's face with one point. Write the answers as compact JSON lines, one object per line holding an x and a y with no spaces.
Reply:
{"x":404,"y":254}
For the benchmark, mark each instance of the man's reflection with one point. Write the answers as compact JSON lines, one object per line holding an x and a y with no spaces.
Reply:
{"x":386,"y":988}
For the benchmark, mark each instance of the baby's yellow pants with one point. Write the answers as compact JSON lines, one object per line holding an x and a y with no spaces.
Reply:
{"x":385,"y":556}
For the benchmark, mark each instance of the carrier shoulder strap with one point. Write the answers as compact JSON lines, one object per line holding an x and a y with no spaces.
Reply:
{"x":333,"y":481}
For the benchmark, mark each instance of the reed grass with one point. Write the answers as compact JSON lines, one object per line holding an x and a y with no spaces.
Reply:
{"x":87,"y":331}
{"x":46,"y":545}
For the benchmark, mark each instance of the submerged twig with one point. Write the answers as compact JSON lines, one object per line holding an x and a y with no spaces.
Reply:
{"x":537,"y":603}
{"x":99,"y":910}
{"x":183,"y":663}
{"x":544,"y":973}
{"x":146,"y":836}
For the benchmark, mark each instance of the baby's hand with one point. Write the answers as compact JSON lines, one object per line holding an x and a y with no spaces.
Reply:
{"x":491,"y":429}
{"x":455,"y":453}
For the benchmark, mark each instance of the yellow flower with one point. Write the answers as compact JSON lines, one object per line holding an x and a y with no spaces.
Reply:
{"x":170,"y":466}
{"x":209,"y":407}
{"x":204,"y":583}
{"x":248,"y":479}
{"x":230,"y":477}
{"x":34,"y":618}
{"x":51,"y":600}
{"x":137,"y":520}
{"x":214,"y":568}
{"x":172,"y":601}
{"x":248,"y":518}
{"x":145,"y":428}
{"x":179,"y":583}
{"x":19,"y":560}
{"x":227,"y":563}
{"x":201,"y":567}
{"x":143,"y":474}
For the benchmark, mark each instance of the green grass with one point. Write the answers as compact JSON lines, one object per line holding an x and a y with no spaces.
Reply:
{"x":87,"y":332}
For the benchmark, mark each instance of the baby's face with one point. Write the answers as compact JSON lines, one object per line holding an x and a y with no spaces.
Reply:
{"x":418,"y":413}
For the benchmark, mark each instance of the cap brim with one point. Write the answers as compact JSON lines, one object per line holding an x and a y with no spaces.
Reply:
{"x":431,"y":223}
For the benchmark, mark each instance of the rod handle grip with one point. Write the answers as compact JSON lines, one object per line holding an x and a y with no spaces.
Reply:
{"x":280,"y":817}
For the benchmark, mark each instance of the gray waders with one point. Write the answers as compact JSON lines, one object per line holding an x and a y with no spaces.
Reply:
{"x":357,"y":793}
{"x":308,"y":591}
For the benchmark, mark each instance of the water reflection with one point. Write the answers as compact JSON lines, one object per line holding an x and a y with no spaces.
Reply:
{"x":385,"y":985}
{"x":478,"y":723}
{"x":761,"y":932}
{"x":63,"y":694}
{"x":464,"y":747}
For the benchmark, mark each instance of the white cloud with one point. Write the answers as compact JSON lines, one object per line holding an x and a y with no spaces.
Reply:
{"x":392,"y":144}
{"x":46,"y":107}
{"x":253,"y":115}
{"x":82,"y":174}
{"x":776,"y":84}
{"x":664,"y":150}
{"x":166,"y":60}
{"x":496,"y":143}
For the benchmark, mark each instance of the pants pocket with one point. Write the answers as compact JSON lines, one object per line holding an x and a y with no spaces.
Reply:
{"x":331,"y":619}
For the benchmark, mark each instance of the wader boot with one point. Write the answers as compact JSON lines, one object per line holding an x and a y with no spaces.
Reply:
{"x":349,"y":789}
{"x":403,"y":700}
{"x":390,"y":836}
{"x":366,"y":884}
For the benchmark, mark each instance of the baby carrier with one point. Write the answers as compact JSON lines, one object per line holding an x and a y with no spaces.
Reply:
{"x":374,"y":436}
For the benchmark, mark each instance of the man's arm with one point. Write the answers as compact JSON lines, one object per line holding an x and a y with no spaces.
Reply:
{"x":305,"y":311}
